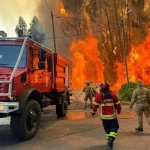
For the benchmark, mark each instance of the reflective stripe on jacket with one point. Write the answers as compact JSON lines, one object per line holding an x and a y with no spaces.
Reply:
{"x":107,"y":109}
{"x":108,"y":106}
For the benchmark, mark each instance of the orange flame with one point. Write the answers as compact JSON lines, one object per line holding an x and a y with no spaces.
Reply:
{"x":88,"y":66}
{"x":138,"y":64}
{"x":62,"y":9}
{"x":86,"y":62}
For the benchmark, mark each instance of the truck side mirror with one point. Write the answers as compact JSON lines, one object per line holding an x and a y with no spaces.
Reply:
{"x":42,"y":55}
{"x":41,"y":65}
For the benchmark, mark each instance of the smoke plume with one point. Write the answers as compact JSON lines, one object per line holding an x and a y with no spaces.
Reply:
{"x":11,"y":10}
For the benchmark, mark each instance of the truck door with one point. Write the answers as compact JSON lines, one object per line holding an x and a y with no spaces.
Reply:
{"x":36,"y":74}
{"x":47,"y":75}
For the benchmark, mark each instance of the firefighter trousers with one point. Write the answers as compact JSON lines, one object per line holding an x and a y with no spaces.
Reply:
{"x":111,"y":128}
{"x":88,"y":96}
{"x":140,"y":109}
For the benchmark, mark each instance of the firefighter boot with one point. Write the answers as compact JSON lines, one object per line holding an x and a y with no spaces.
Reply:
{"x":139,"y":129}
{"x":110,"y":143}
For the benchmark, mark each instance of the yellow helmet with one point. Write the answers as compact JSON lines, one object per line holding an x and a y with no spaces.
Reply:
{"x":139,"y":82}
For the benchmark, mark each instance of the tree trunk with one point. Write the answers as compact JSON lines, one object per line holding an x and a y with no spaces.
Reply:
{"x":118,"y":31}
{"x":108,"y":23}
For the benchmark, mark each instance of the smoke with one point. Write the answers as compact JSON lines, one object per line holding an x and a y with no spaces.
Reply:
{"x":10,"y":10}
{"x":62,"y":42}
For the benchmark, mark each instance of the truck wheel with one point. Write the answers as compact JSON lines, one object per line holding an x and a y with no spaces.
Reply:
{"x":24,"y":126}
{"x":62,"y":105}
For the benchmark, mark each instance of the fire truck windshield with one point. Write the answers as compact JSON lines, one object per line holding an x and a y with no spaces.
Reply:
{"x":9,"y":55}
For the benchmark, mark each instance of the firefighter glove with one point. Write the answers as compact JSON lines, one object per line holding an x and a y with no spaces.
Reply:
{"x":92,"y":113}
{"x":118,"y":112}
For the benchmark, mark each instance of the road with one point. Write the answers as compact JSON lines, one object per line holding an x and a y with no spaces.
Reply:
{"x":78,"y":131}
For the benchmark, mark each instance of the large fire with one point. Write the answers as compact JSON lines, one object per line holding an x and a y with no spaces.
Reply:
{"x":86,"y":62}
{"x":88,"y":66}
{"x":138,"y":64}
{"x":86,"y":57}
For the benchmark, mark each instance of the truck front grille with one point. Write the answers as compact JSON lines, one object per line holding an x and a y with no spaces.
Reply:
{"x":1,"y":88}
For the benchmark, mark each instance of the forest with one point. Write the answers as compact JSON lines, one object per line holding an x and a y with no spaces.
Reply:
{"x":119,"y":27}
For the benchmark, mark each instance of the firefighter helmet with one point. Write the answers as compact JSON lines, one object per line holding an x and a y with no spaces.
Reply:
{"x":139,"y":82}
{"x":104,"y":85}
{"x":86,"y":82}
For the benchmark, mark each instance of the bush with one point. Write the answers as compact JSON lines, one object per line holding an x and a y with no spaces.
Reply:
{"x":125,"y":92}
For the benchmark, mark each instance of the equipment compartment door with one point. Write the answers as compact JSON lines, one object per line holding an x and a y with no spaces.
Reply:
{"x":66,"y":76}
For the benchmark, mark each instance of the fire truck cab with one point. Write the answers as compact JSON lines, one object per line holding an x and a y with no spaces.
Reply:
{"x":31,"y":77}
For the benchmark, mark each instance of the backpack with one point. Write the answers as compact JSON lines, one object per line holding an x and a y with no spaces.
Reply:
{"x":108,"y":95}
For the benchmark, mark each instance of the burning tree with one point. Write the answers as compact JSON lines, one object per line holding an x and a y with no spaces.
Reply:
{"x":139,"y":20}
{"x":74,"y":20}
{"x":102,"y":19}
{"x":21,"y":26}
{"x":36,"y":30}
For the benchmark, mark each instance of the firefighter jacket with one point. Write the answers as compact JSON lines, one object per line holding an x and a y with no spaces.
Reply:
{"x":140,"y":95}
{"x":93,"y":89}
{"x":108,"y":104}
{"x":87,"y":89}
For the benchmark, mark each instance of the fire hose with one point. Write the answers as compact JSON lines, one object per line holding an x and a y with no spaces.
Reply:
{"x":77,"y":100}
{"x":78,"y":97}
{"x":124,"y":115}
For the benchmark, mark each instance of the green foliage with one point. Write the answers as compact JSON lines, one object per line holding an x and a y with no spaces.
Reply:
{"x":21,"y":26}
{"x":125,"y":92}
{"x":36,"y":30}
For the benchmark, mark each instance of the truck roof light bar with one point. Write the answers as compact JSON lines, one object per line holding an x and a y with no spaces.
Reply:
{"x":23,"y":38}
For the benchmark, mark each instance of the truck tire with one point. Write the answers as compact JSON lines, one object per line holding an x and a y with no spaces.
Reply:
{"x":24,"y":126}
{"x":62,"y":105}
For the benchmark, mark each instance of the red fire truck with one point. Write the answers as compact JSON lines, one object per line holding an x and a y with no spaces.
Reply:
{"x":31,"y":77}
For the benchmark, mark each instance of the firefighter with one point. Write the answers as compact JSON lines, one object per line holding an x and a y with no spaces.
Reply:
{"x":141,"y":96}
{"x":109,"y":104}
{"x":88,"y":93}
{"x":93,"y":89}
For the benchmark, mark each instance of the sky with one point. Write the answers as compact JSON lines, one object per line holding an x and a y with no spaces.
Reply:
{"x":10,"y":10}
